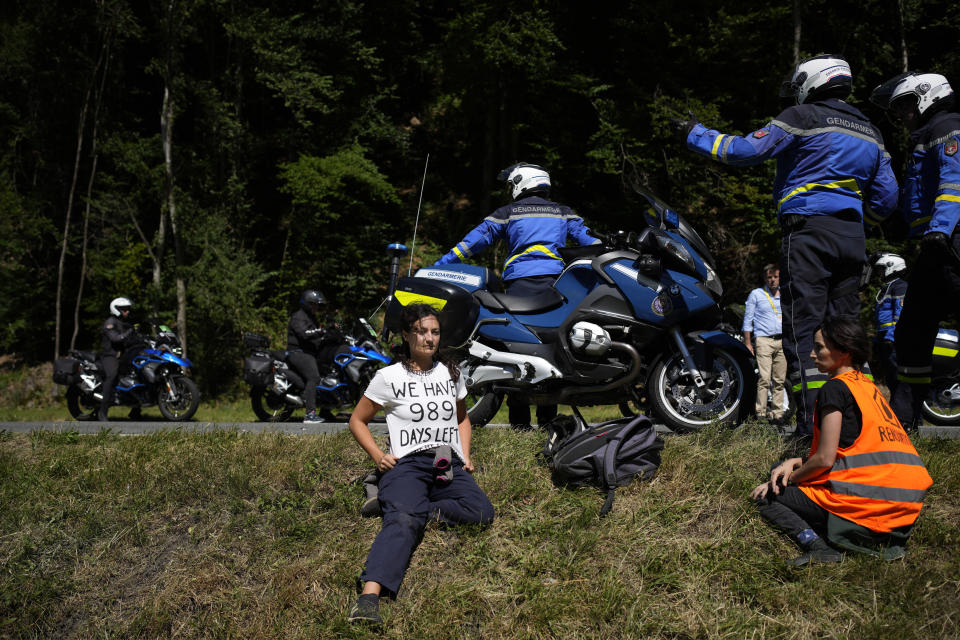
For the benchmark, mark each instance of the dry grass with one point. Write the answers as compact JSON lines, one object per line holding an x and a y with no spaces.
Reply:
{"x":224,"y":535}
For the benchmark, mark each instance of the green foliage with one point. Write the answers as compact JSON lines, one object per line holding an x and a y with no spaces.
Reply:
{"x":301,"y":129}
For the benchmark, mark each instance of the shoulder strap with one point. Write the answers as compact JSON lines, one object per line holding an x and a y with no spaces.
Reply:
{"x":610,"y":458}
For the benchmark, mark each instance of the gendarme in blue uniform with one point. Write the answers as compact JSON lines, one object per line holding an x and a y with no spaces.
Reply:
{"x":534,"y":228}
{"x":833,"y":175}
{"x":931,"y":204}
{"x":830,"y":160}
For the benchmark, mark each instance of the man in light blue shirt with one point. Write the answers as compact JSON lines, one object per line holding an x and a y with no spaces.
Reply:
{"x":762,"y":322}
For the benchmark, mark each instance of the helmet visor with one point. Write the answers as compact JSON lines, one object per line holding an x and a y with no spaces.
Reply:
{"x":881,"y":95}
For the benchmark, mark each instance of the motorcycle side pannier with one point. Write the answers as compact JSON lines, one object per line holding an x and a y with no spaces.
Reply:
{"x":257,"y":371}
{"x":255,"y":341}
{"x":458,"y":308}
{"x":66,"y":371}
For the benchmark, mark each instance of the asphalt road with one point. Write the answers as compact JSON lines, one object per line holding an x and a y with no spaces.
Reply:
{"x":129,"y":427}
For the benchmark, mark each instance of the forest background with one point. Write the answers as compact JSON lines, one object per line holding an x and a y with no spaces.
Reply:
{"x":212,"y":158}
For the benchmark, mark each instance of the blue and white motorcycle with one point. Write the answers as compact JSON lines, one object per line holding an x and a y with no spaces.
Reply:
{"x":632,"y":322}
{"x":158,"y":375}
{"x":276,"y":390}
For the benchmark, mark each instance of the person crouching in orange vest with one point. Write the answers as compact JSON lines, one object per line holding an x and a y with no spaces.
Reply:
{"x":862,"y":487}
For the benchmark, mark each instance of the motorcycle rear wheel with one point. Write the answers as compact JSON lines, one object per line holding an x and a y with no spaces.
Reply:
{"x":482,"y":406}
{"x":81,"y":406}
{"x":184,"y":404}
{"x":939,"y":411}
{"x":268,"y":407}
{"x":674,"y":396}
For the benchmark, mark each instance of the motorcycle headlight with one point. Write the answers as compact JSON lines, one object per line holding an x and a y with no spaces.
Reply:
{"x":677,"y":251}
{"x":713,"y":282}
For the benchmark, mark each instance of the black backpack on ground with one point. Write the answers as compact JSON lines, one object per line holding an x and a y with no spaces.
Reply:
{"x":607,"y":455}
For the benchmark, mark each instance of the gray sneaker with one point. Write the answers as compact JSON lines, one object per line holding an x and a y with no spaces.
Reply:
{"x":366,"y":609}
{"x":312,"y":418}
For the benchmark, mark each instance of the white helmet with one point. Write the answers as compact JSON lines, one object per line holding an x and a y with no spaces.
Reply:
{"x":889,"y":264}
{"x":525,"y":178}
{"x":814,"y":75}
{"x":921,"y":90}
{"x":118,"y":304}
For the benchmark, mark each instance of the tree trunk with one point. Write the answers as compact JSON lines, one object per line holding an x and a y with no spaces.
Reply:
{"x":796,"y":32}
{"x":903,"y":38}
{"x":166,"y":128}
{"x":93,"y":172}
{"x":66,"y":223}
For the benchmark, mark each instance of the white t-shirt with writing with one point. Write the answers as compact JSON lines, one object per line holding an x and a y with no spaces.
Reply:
{"x":421,"y":408}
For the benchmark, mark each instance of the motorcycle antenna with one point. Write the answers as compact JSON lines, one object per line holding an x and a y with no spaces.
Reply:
{"x":413,"y":245}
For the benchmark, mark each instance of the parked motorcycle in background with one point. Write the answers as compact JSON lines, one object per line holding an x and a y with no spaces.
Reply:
{"x":276,"y":390}
{"x":633,"y":320}
{"x":158,"y":375}
{"x":942,"y":407}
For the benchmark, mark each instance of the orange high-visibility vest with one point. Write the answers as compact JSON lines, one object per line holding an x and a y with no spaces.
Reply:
{"x":879,"y":481}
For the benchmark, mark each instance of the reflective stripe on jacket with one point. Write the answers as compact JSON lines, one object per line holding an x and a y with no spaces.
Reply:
{"x":830,"y":159}
{"x":931,"y":188}
{"x":534,"y":228}
{"x":889,"y":306}
{"x":879,"y":481}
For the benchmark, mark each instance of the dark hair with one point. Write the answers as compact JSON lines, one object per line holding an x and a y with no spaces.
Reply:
{"x":846,"y":334}
{"x":411,"y":315}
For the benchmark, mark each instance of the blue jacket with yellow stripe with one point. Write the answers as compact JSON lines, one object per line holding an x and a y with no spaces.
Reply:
{"x":931,"y":188}
{"x":889,"y":306}
{"x":830,"y":159}
{"x":534,"y":228}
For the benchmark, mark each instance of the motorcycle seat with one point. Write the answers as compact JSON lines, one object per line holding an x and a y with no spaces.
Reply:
{"x":86,"y":355}
{"x":501,"y":302}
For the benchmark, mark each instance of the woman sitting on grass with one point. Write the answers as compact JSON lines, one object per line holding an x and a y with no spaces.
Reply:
{"x":427,"y":420}
{"x":863,"y":485}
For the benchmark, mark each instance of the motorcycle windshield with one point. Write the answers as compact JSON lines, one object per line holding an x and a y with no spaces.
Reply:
{"x":660,"y":215}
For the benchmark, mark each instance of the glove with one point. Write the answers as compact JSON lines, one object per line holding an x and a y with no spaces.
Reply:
{"x":681,"y":129}
{"x":935,"y":242}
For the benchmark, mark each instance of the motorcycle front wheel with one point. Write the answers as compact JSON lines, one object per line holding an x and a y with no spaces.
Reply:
{"x":676,"y":400}
{"x":81,"y":406}
{"x":939,"y":408}
{"x":179,"y":400}
{"x":482,"y":405}
{"x":268,"y":407}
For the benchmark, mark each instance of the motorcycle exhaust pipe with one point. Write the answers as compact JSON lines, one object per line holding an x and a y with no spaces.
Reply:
{"x":630,"y":376}
{"x":296,"y":401}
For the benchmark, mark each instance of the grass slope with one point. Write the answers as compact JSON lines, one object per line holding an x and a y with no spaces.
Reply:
{"x":228,"y":535}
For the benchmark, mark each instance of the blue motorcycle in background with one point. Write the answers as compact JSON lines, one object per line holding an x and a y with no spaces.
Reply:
{"x":276,"y":390}
{"x":633,"y":322}
{"x":158,"y":375}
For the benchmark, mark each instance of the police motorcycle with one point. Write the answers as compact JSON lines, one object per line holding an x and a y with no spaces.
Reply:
{"x":633,"y":321}
{"x":158,"y":375}
{"x":276,"y":389}
{"x":942,"y":406}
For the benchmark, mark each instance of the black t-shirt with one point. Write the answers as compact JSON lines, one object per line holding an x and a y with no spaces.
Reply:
{"x":835,"y":396}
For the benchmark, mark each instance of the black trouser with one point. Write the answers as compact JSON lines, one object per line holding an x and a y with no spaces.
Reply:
{"x":792,"y":512}
{"x":111,"y":367}
{"x":820,"y":265}
{"x":518,"y":408}
{"x":885,"y":355}
{"x":306,"y":365}
{"x":933,"y":292}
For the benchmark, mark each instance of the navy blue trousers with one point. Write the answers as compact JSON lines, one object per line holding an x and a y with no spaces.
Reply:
{"x":410,"y":498}
{"x":820,"y":265}
{"x":518,"y":409}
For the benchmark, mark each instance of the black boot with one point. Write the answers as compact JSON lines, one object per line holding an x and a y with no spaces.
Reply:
{"x":371,"y":503}
{"x":817,"y":551}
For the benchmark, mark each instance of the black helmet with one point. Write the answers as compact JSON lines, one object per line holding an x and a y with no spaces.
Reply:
{"x":310,"y":296}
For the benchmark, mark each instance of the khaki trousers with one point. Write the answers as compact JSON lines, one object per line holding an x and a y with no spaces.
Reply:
{"x":772,"y":364}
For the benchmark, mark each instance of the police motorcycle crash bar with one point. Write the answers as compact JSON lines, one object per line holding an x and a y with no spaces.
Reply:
{"x":632,"y":321}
